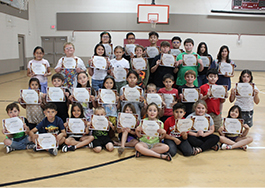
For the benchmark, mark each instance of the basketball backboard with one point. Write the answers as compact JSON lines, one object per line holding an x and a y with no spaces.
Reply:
{"x":147,"y":13}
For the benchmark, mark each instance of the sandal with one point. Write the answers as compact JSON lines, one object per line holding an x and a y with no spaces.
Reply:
{"x":168,"y":157}
{"x":120,"y":150}
{"x":138,"y":154}
{"x":216,"y":147}
{"x":196,"y":150}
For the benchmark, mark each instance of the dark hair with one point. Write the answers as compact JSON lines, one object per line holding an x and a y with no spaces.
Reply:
{"x":170,"y":76}
{"x":35,"y":80}
{"x":212,"y":71}
{"x":153,"y":104}
{"x":109,"y":77}
{"x":128,"y":34}
{"x":119,"y":47}
{"x":130,"y":105}
{"x":36,"y":48}
{"x":133,"y":72}
{"x":246,"y":71}
{"x":80,"y":107}
{"x":105,"y":32}
{"x":219,"y":55}
{"x":12,"y":106}
{"x":176,"y":38}
{"x":199,"y":49}
{"x":189,"y":40}
{"x":179,"y":106}
{"x":58,"y":75}
{"x":232,"y":109}
{"x":50,"y":106}
{"x":79,"y":85}
{"x":139,"y":46}
{"x":153,"y":33}
{"x":95,"y":49}
{"x":164,"y":44}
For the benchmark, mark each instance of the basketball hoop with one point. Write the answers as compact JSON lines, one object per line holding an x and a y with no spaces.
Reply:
{"x":153,"y":22}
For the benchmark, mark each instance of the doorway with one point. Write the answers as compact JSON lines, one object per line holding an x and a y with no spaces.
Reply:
{"x":21,"y":51}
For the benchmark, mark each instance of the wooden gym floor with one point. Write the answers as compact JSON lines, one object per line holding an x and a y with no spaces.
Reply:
{"x":84,"y":168}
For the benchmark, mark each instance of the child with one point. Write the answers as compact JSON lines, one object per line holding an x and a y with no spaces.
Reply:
{"x":212,"y":103}
{"x":232,"y":141}
{"x":246,"y":103}
{"x":130,"y":37}
{"x":38,"y":53}
{"x":203,"y":140}
{"x":34,"y":112}
{"x":127,"y":135}
{"x":77,"y":141}
{"x":177,"y":141}
{"x":153,"y":39}
{"x":176,"y":43}
{"x":98,"y":75}
{"x":159,"y":71}
{"x":17,"y":141}
{"x":202,"y":50}
{"x":50,"y":124}
{"x":105,"y":40}
{"x":188,"y":44}
{"x":70,"y":74}
{"x":101,"y":138}
{"x":150,"y":146}
{"x":168,"y":81}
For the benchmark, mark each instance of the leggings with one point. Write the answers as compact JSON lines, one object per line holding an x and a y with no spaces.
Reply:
{"x":204,"y":143}
{"x":184,"y":147}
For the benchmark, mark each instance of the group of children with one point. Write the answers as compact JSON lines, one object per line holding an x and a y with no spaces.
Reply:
{"x":50,"y":117}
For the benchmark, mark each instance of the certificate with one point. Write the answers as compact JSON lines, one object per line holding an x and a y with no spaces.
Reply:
{"x":46,"y":141}
{"x":168,"y":60}
{"x":119,"y":74}
{"x":69,"y":63}
{"x":55,"y":94}
{"x":226,"y":68}
{"x":30,"y":96}
{"x":132,"y":94}
{"x":81,"y":94}
{"x":76,"y":125}
{"x":13,"y":125}
{"x":169,"y":99}
{"x":150,"y":127}
{"x":183,"y":125}
{"x":190,"y":94}
{"x":201,"y":123}
{"x":127,"y":120}
{"x":107,"y":96}
{"x":99,"y":123}
{"x":218,"y":91}
{"x":152,"y":51}
{"x":139,"y":63}
{"x":38,"y":68}
{"x":155,"y":98}
{"x":206,"y":61}
{"x":130,"y":49}
{"x":233,"y":126}
{"x":108,"y":49}
{"x":176,"y":52}
{"x":99,"y":62}
{"x":189,"y":60}
{"x":245,"y":89}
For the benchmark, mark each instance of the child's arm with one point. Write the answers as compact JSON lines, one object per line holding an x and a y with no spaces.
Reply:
{"x":138,"y":131}
{"x":143,"y":110}
{"x":207,"y":95}
{"x":201,"y":65}
{"x":32,"y":135}
{"x":184,"y":135}
{"x":176,"y":140}
{"x":26,"y":128}
{"x":23,"y":105}
{"x":220,"y":131}
{"x":256,"y":96}
{"x":111,"y":126}
{"x":49,"y":73}
{"x":118,"y":102}
{"x":232,"y":95}
{"x":61,"y":135}
{"x":94,"y":101}
{"x":246,"y":130}
{"x":208,"y":132}
{"x":161,"y":110}
{"x":29,"y":73}
{"x":162,"y":133}
{"x":153,"y":69}
{"x":90,"y":70}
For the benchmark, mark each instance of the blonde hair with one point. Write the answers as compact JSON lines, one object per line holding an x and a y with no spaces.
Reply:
{"x":99,"y":108}
{"x":190,"y":72}
{"x":199,"y":102}
{"x":68,"y":43}
{"x":150,"y":85}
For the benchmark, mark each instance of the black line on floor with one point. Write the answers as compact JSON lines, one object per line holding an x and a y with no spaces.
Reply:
{"x":65,"y":173}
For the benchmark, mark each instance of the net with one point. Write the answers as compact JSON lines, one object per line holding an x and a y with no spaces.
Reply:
{"x":153,"y":22}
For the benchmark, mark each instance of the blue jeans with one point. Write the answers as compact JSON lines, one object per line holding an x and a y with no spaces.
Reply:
{"x":97,"y":84}
{"x":21,"y":144}
{"x":202,"y":80}
{"x":44,"y":87}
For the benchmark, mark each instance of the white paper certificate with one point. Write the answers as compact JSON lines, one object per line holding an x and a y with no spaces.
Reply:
{"x":176,"y":52}
{"x":132,"y":94}
{"x":107,"y":96}
{"x":38,"y":68}
{"x":152,"y":51}
{"x":150,"y":127}
{"x":119,"y":74}
{"x":226,"y":68}
{"x":189,"y":60}
{"x":127,"y":120}
{"x":190,"y":94}
{"x":108,"y":49}
{"x":130,"y":48}
{"x":139,"y":63}
{"x":69,"y":63}
{"x":81,"y":94}
{"x":46,"y":141}
{"x":169,"y":99}
{"x":245,"y":89}
{"x":155,"y":98}
{"x":168,"y":60}
{"x":233,"y":126}
{"x":183,"y":125}
{"x":99,"y":62}
{"x":30,"y":96}
{"x":76,"y":125}
{"x":218,"y":91}
{"x":13,"y":125}
{"x":55,"y":94}
{"x":200,"y":123}
{"x":205,"y":61}
{"x":99,"y":123}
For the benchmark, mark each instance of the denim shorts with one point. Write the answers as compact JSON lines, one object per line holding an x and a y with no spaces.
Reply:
{"x":96,"y":84}
{"x":248,"y":118}
{"x":20,"y":144}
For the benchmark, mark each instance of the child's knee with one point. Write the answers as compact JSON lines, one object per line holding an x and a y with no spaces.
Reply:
{"x":109,"y":146}
{"x":97,"y":149}
{"x":7,"y":142}
{"x":67,"y":141}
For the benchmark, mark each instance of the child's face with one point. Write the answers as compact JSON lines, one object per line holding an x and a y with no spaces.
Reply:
{"x":131,"y":39}
{"x":224,"y":53}
{"x":56,"y":82}
{"x":69,"y":50}
{"x":128,"y":110}
{"x":100,"y":112}
{"x":100,"y":51}
{"x":153,"y":39}
{"x":234,"y":113}
{"x":13,"y":113}
{"x":34,"y":85}
{"x":246,"y":78}
{"x":132,"y":80}
{"x":188,"y":47}
{"x":76,"y":112}
{"x":200,"y":109}
{"x":176,"y":44}
{"x":105,"y":38}
{"x":164,"y":49}
{"x":203,"y":48}
{"x":168,"y":83}
{"x":139,"y":52}
{"x":119,"y":53}
{"x":212,"y":78}
{"x":109,"y":83}
{"x":38,"y":54}
{"x":50,"y":113}
{"x":190,"y":78}
{"x":151,"y":90}
{"x":179,"y":113}
{"x":152,"y":112}
{"x":82,"y":79}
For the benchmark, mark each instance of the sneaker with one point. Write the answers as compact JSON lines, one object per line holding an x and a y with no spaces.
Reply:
{"x":245,"y":147}
{"x":223,"y":147}
{"x":66,"y":148}
{"x":226,"y":146}
{"x":90,"y":145}
{"x":30,"y":145}
{"x":9,"y":149}
{"x":53,"y":151}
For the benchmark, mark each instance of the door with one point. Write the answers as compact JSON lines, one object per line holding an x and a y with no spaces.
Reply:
{"x":21,"y":52}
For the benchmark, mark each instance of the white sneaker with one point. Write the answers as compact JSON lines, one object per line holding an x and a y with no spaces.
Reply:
{"x":223,"y":147}
{"x":245,"y":147}
{"x":9,"y":149}
{"x":53,"y":151}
